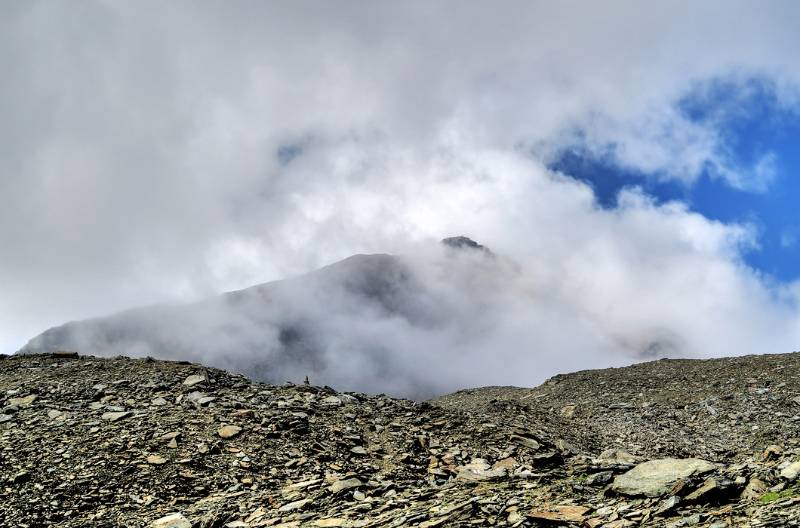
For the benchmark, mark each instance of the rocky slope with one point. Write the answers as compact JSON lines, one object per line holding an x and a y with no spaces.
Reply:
{"x":88,"y":441}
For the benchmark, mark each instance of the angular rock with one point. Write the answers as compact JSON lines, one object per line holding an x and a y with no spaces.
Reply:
{"x":194,"y":379}
{"x":174,"y":520}
{"x":572,"y":514}
{"x":617,"y":456}
{"x":791,"y":471}
{"x":525,"y":441}
{"x":156,"y":460}
{"x":346,"y":484}
{"x":704,"y":492}
{"x":657,"y":477}
{"x":116,"y":416}
{"x":229,"y":431}
{"x":331,"y":401}
{"x":479,"y":469}
{"x":295,"y":505}
{"x":667,"y":505}
{"x":754,"y":490}
{"x":596,"y":479}
{"x":25,"y":401}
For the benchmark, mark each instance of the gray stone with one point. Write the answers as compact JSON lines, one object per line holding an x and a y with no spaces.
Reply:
{"x":156,"y":460}
{"x":194,"y":379}
{"x":667,"y":505}
{"x":617,"y":456}
{"x":331,"y":401}
{"x":701,"y":494}
{"x":341,"y":485}
{"x":25,"y":401}
{"x":174,"y":520}
{"x":604,"y":477}
{"x":296,"y":505}
{"x":200,"y":398}
{"x":115,"y":416}
{"x":656,"y":477}
{"x":524,"y":441}
{"x":754,"y":490}
{"x":479,"y":469}
{"x":791,"y":471}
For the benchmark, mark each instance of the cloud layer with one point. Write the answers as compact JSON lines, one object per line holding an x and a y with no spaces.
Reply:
{"x":165,"y":154}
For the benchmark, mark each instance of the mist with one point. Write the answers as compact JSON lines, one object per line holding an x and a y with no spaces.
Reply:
{"x":439,"y":318}
{"x":157,"y":157}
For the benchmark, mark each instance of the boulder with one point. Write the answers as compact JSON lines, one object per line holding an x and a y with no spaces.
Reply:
{"x":657,"y":477}
{"x":175,"y":520}
{"x":791,"y":472}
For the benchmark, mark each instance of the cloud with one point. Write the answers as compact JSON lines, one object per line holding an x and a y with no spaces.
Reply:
{"x":162,"y":155}
{"x":586,"y":287}
{"x":789,"y":236}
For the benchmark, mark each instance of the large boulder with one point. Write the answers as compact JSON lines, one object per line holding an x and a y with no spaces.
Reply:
{"x":656,"y":477}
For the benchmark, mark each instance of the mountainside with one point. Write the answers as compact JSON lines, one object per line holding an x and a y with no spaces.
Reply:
{"x":715,"y":408}
{"x":352,"y":324}
{"x":443,"y":317}
{"x":87,"y":441}
{"x":276,"y":331}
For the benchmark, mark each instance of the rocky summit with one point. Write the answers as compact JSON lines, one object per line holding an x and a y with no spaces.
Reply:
{"x":87,"y":441}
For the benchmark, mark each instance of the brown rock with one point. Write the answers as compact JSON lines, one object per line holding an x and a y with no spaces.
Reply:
{"x":156,"y":460}
{"x":229,"y":431}
{"x":25,"y":401}
{"x":560,"y":514}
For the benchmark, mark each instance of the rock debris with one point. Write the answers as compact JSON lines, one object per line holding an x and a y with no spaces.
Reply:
{"x":87,"y":441}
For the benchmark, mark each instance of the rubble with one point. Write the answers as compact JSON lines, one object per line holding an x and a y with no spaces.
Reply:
{"x":86,"y":441}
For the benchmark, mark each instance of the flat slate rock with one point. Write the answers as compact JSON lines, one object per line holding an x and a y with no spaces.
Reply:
{"x":657,"y":477}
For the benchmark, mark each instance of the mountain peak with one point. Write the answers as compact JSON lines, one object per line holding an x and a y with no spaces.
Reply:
{"x":462,"y":242}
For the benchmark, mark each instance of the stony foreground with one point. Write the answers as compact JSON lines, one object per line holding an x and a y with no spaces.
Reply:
{"x":86,"y":441}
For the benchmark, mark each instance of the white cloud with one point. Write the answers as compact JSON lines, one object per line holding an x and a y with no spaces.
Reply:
{"x":140,"y":154}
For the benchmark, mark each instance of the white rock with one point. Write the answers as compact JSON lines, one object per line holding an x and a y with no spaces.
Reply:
{"x":115,"y":416}
{"x":479,"y":469}
{"x":194,"y":379}
{"x":174,"y":520}
{"x":341,"y":485}
{"x":296,"y":505}
{"x":791,"y":472}
{"x":331,"y":401}
{"x":656,"y":477}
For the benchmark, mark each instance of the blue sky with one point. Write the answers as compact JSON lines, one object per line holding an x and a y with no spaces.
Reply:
{"x":753,"y":125}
